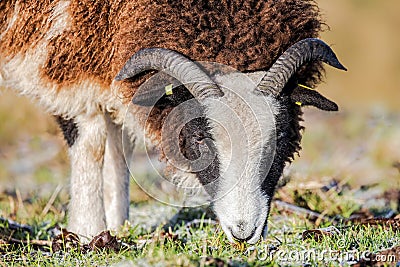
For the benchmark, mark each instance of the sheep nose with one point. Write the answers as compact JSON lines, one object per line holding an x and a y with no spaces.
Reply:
{"x":242,"y":231}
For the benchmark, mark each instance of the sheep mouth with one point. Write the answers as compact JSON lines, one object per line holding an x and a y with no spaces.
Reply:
{"x":253,"y":238}
{"x":258,"y":232}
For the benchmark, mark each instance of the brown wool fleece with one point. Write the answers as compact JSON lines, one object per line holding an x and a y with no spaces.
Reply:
{"x":102,"y":35}
{"x":29,"y":27}
{"x":247,"y":35}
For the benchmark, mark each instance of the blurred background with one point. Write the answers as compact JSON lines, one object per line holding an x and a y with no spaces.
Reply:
{"x":358,"y":145}
{"x":366,"y":36}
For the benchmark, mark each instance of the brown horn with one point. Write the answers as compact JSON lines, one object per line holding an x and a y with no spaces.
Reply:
{"x":178,"y":66}
{"x":306,"y":50}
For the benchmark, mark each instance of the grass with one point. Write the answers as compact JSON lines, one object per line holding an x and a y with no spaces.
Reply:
{"x":200,"y":242}
{"x":197,"y":240}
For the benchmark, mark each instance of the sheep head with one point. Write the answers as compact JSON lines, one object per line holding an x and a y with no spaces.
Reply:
{"x":237,"y":131}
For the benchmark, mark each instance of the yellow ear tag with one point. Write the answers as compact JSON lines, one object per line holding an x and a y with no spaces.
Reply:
{"x":306,"y":87}
{"x":168,"y":89}
{"x":298,"y":103}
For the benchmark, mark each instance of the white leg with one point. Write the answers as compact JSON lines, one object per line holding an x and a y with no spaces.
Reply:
{"x":86,"y":207}
{"x":116,"y":176}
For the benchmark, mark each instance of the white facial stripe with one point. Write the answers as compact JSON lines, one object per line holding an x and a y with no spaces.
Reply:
{"x":242,"y":124}
{"x":243,"y":127}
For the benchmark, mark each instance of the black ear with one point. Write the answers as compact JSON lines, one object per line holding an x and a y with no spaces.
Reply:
{"x":307,"y":97}
{"x":154,"y":88}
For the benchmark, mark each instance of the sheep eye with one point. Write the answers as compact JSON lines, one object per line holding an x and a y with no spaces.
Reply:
{"x":200,"y":141}
{"x":199,"y":138}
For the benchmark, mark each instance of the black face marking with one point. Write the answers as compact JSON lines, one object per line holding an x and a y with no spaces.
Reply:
{"x":69,"y":129}
{"x":195,"y":140}
{"x":197,"y":143}
{"x":288,"y":139}
{"x":288,"y":128}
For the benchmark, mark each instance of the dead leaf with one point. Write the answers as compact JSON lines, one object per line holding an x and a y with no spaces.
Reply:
{"x":70,"y":241}
{"x":65,"y":241}
{"x":104,"y":241}
{"x":170,"y":235}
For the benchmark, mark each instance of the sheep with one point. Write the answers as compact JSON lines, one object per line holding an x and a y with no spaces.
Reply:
{"x":86,"y":61}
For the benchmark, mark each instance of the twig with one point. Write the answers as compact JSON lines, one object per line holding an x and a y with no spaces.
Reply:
{"x":16,"y":226}
{"x":309,"y":214}
{"x":20,"y":200}
{"x":32,"y":242}
{"x":51,"y":200}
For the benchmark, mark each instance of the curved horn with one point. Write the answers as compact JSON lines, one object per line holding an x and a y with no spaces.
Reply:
{"x":292,"y":59}
{"x":174,"y":64}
